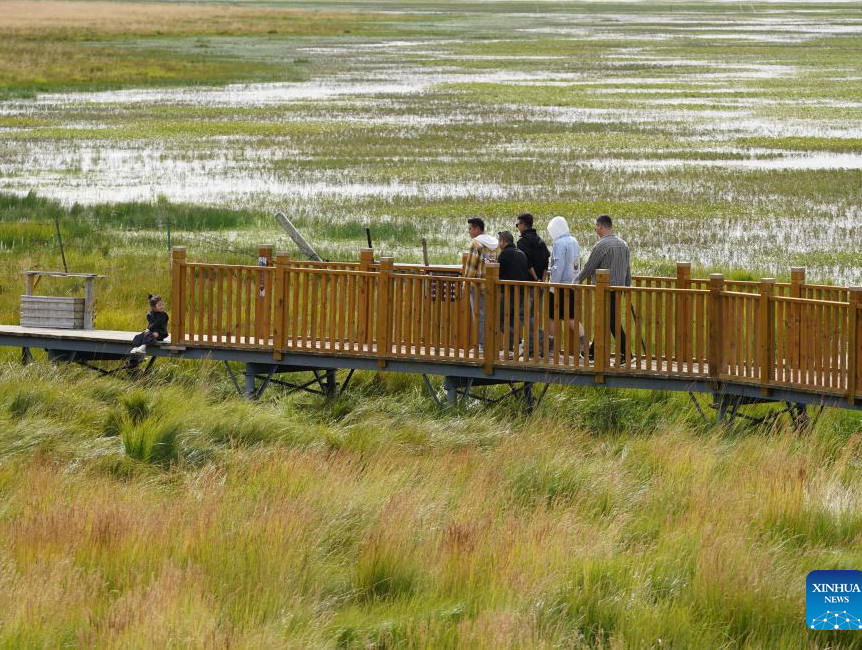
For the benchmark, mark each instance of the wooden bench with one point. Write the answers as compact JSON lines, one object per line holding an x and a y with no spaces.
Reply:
{"x":58,"y":312}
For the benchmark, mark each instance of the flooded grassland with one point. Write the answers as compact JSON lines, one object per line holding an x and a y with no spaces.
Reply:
{"x":727,"y":136}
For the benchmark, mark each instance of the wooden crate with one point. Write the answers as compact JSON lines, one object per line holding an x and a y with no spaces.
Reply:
{"x":52,"y":312}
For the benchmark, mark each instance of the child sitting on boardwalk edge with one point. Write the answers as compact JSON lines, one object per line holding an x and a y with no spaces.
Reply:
{"x":157,"y":326}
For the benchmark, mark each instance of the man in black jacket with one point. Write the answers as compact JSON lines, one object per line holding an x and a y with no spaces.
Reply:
{"x":533,"y":247}
{"x":513,"y":266}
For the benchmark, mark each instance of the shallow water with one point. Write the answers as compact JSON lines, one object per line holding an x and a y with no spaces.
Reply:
{"x":470,"y":106}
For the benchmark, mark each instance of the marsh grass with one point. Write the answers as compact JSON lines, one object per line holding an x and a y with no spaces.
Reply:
{"x":168,"y":512}
{"x":376,"y":520}
{"x":95,"y":46}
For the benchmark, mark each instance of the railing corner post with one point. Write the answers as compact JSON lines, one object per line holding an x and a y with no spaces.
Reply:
{"x":492,"y":277}
{"x":384,"y":310}
{"x":854,"y":365}
{"x":797,"y":279}
{"x":178,"y":292}
{"x":766,"y":325}
{"x":716,"y":324}
{"x":602,"y":315}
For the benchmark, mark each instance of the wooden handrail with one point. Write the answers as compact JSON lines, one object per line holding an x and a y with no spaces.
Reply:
{"x":768,"y":338}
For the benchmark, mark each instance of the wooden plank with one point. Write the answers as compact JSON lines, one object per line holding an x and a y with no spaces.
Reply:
{"x":52,"y":300}
{"x":816,"y":339}
{"x":219,"y":303}
{"x":210,"y":306}
{"x":333,"y":308}
{"x":60,"y":310}
{"x":305,"y":248}
{"x":200,"y":310}
{"x":398,"y":310}
{"x":54,"y":323}
{"x":351,"y":325}
{"x":700,"y":332}
{"x":427,"y":318}
{"x":314,"y":310}
{"x":780,"y":337}
{"x":715,"y":326}
{"x":250,"y":292}
{"x":521,"y":305}
{"x":384,"y":306}
{"x":650,"y":330}
{"x":181,"y":303}
{"x":601,"y":319}
{"x":560,"y":356}
{"x":492,"y":275}
{"x":767,"y":332}
{"x":854,"y":342}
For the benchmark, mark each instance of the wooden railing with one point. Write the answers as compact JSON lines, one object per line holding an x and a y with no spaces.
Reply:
{"x":762,"y":333}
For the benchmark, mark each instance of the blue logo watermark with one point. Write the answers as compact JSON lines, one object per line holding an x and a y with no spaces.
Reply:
{"x":833,"y":600}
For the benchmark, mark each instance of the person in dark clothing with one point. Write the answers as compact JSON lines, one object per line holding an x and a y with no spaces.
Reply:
{"x":612,"y":253}
{"x":157,"y":326}
{"x":533,"y":247}
{"x":514,"y":266}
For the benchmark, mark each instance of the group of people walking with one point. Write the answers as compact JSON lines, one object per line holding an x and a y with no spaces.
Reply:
{"x":530,"y":259}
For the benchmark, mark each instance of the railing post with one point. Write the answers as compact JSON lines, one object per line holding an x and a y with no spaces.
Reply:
{"x":766,"y":334}
{"x":468,"y":338}
{"x":178,"y":293}
{"x":794,"y":341}
{"x":366,"y":259}
{"x":683,"y":313}
{"x":489,"y":354}
{"x":716,"y":323}
{"x":602,"y":315}
{"x":854,"y":365}
{"x":263,"y":300}
{"x":384,"y":309}
{"x":280,"y":295}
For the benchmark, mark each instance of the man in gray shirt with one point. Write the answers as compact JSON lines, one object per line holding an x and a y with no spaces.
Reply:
{"x":611,"y":253}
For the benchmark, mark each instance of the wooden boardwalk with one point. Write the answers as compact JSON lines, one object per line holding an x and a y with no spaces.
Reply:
{"x":764,"y":340}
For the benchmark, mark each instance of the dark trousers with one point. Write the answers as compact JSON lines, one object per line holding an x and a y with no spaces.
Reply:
{"x":622,"y":343}
{"x":526,"y":320}
{"x":144,"y":338}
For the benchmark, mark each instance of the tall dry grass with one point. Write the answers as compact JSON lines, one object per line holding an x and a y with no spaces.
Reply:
{"x":379,"y":520}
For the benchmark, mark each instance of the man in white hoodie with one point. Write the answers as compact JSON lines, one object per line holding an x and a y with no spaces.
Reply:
{"x":565,"y":262}
{"x":483,"y":249}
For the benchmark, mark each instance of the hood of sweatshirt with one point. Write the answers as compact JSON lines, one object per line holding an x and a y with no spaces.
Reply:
{"x":558,"y":227}
{"x":486,"y":240}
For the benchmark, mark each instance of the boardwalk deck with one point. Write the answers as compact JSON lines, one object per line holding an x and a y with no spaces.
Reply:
{"x":761,"y":340}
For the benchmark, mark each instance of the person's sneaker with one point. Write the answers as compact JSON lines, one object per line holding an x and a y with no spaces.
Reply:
{"x":141,"y":349}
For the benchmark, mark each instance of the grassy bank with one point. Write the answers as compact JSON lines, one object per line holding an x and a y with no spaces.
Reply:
{"x":51,"y":46}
